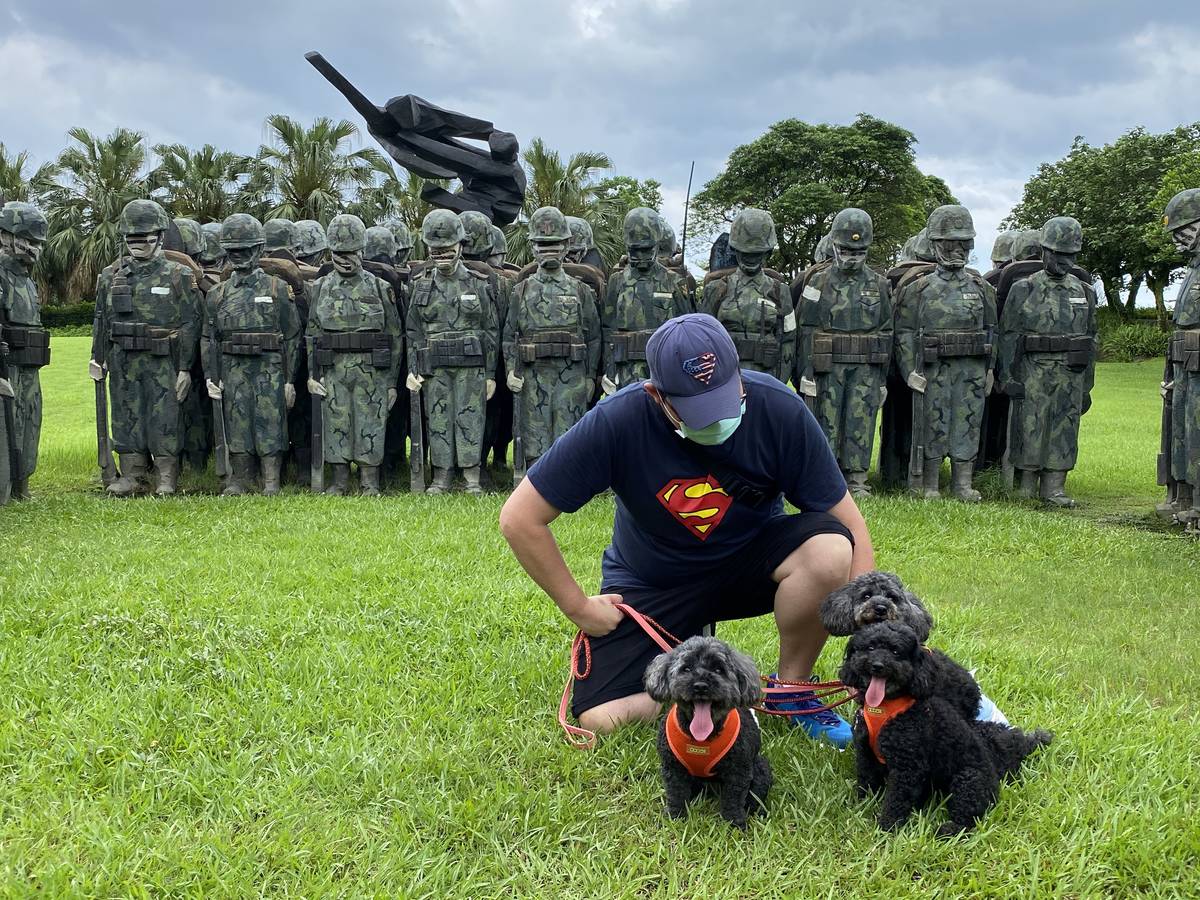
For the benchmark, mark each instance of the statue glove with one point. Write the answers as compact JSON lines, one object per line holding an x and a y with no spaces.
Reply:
{"x":315,"y":387}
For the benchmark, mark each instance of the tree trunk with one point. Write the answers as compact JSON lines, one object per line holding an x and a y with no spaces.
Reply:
{"x":1157,"y":282}
{"x":1135,"y":286}
{"x":1112,"y":293}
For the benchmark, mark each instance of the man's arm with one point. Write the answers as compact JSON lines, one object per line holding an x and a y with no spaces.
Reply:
{"x":846,"y":512}
{"x":525,"y":522}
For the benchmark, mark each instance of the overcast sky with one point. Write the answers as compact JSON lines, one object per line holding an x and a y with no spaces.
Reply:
{"x":990,"y":90}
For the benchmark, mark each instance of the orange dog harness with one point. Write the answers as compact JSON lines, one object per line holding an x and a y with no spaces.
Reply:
{"x":876,"y":717}
{"x":701,"y":757}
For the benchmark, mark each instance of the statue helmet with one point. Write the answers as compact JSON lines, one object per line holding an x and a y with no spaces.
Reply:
{"x":280,"y":234}
{"x":310,"y":238}
{"x":478,"y":230}
{"x":1027,"y":245}
{"x":1183,"y":209}
{"x":404,"y":238}
{"x":347,"y":234}
{"x":23,"y":220}
{"x":667,"y":243}
{"x":641,"y":228}
{"x":241,"y":230}
{"x":824,"y":248}
{"x":853,"y":229}
{"x":950,"y":223}
{"x":548,"y":225}
{"x":1062,"y":234}
{"x":499,"y":241}
{"x":193,"y":237}
{"x":753,"y":231}
{"x":1002,"y":249}
{"x":442,"y":228}
{"x":143,"y":217}
{"x":380,"y":243}
{"x":212,"y":252}
{"x":581,"y":234}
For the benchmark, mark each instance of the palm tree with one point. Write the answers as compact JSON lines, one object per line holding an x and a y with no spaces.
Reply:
{"x":205,"y":185}
{"x":13,"y":183}
{"x":98,"y":176}
{"x":311,"y":170}
{"x":394,"y":199}
{"x":572,"y":187}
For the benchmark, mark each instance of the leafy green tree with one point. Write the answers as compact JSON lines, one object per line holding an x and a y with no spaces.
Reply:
{"x":97,"y":177}
{"x":16,"y":185}
{"x":803,"y":174}
{"x":206,"y":184}
{"x":394,"y":198}
{"x":310,"y":172}
{"x":1114,"y":191}
{"x":629,"y":193}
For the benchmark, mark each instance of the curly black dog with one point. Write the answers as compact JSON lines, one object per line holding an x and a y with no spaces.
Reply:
{"x":874,"y":597}
{"x":709,"y":734}
{"x":911,"y":737}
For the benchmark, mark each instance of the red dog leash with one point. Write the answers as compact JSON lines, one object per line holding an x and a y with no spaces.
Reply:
{"x":582,"y":739}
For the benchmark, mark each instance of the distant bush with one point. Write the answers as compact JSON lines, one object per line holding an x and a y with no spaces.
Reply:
{"x":72,"y":316}
{"x":1131,"y":342}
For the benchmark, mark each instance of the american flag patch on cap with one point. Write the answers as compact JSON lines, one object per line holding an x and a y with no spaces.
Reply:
{"x":701,"y":367}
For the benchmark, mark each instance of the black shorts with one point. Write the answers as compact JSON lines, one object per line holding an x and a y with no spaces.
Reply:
{"x":619,"y":659}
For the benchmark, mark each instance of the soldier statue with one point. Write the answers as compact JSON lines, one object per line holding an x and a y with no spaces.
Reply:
{"x":354,"y":342}
{"x":945,"y":350}
{"x":1047,"y":364}
{"x":551,"y":340}
{"x":1181,"y":384}
{"x":251,"y":348}
{"x":845,"y":345}
{"x":1002,"y":255}
{"x":755,"y":308}
{"x":144,"y":339}
{"x":312,"y":246}
{"x":639,"y":298}
{"x":24,"y":347}
{"x":453,"y":344}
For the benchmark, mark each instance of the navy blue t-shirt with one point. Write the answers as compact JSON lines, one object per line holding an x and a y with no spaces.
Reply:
{"x":674,"y":522}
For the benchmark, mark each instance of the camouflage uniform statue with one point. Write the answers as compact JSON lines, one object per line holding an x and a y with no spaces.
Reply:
{"x":404,"y":242}
{"x":145,"y":334}
{"x":640,"y":297}
{"x":355,"y":344}
{"x":821,"y":257}
{"x":845,"y":345}
{"x":24,"y":346}
{"x":672,"y":259}
{"x":212,"y":257}
{"x":551,"y":339}
{"x":1181,"y":384}
{"x":251,"y":348}
{"x":454,"y":342}
{"x":379,"y":258}
{"x":755,"y":308}
{"x":197,"y":411}
{"x":498,"y":417}
{"x":312,"y":246}
{"x":1048,"y":364}
{"x":1002,"y":255}
{"x":895,"y":420}
{"x":945,"y":332}
{"x":498,"y":258}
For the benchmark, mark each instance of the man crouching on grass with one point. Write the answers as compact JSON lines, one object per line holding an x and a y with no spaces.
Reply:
{"x":700,"y":458}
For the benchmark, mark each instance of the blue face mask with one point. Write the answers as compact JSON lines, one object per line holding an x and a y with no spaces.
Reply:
{"x":716,"y":433}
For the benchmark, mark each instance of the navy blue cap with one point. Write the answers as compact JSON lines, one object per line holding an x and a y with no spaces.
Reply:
{"x":694,"y":363}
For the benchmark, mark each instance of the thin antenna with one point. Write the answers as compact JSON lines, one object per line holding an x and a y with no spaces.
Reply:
{"x":686,"y":203}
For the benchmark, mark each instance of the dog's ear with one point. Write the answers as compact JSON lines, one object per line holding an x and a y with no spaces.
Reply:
{"x":837,"y":610}
{"x":747,"y":684}
{"x":658,"y":678}
{"x":924,"y":677}
{"x":914,"y":614}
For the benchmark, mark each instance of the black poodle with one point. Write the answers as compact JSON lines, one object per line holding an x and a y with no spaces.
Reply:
{"x":874,"y":597}
{"x":709,"y":734}
{"x":912,"y":738}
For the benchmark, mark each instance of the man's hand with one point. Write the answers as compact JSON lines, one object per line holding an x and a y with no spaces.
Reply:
{"x":598,"y":616}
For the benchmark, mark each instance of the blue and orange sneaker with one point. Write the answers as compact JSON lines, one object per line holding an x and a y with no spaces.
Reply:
{"x":826,"y":725}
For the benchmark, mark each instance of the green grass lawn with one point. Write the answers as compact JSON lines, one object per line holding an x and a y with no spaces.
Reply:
{"x":317,"y":696}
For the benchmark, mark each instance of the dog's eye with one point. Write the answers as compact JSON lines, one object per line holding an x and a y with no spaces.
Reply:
{"x":685,"y":667}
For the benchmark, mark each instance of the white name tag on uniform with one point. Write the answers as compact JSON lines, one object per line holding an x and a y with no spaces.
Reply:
{"x":663,"y":295}
{"x":262,"y":299}
{"x":789,"y":323}
{"x":811,"y":293}
{"x":161,"y":291}
{"x":1078,"y":301}
{"x":970,"y":296}
{"x":468,"y":297}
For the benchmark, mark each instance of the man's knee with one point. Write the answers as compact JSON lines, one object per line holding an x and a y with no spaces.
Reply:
{"x":821,"y":561}
{"x":608,"y":717}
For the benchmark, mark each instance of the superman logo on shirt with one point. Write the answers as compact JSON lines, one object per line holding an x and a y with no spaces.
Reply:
{"x":698,"y":503}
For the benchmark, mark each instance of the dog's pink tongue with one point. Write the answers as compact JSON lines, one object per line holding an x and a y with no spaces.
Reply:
{"x":702,"y":724}
{"x":875,"y":691}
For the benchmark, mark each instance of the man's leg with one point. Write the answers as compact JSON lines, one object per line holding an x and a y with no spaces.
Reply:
{"x":612,"y":715}
{"x":807,"y":576}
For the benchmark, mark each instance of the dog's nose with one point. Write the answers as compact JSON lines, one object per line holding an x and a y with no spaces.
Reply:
{"x":880,"y":607}
{"x":699,"y":686}
{"x":877,"y":668}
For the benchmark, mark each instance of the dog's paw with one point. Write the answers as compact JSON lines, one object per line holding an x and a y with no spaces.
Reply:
{"x":892,"y":823}
{"x":739,"y":822}
{"x":676,"y":812}
{"x":948,"y":830}
{"x":756,"y":807}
